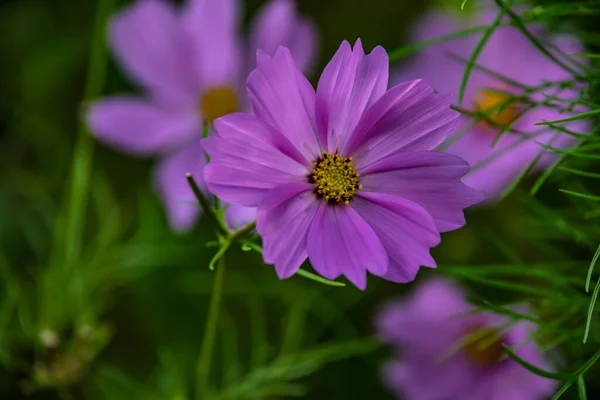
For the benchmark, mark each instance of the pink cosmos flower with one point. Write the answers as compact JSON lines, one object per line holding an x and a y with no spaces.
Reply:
{"x":346,"y":175}
{"x":445,"y":353}
{"x":191,"y":64}
{"x":509,"y":53}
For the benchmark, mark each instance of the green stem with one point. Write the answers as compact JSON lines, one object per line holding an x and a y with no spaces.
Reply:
{"x":246,"y":230}
{"x":205,"y":204}
{"x":76,"y":202}
{"x":208,"y":343}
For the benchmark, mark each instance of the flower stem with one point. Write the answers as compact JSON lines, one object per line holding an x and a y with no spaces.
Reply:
{"x":246,"y":230}
{"x":208,"y":343}
{"x":205,"y":204}
{"x":76,"y":199}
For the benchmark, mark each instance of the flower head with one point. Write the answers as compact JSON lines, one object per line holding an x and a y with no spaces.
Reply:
{"x":508,"y":64}
{"x":191,"y":64}
{"x":346,"y":175}
{"x":437,"y":341}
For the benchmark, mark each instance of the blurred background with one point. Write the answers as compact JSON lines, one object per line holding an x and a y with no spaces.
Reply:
{"x":126,"y":319}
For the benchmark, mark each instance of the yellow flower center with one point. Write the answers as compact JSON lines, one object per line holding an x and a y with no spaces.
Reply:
{"x":335,"y":178}
{"x":217,"y":102}
{"x":498,"y":107}
{"x":484,"y":346}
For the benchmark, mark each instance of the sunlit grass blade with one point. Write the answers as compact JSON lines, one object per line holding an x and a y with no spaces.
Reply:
{"x":317,"y":278}
{"x":581,"y":388}
{"x":578,"y":135}
{"x":533,"y":368}
{"x":413,"y":48}
{"x":579,"y":172}
{"x":582,"y":370}
{"x":229,"y":356}
{"x":529,"y":169}
{"x":493,"y":74}
{"x":586,"y":55}
{"x":498,"y":309}
{"x":571,"y":153}
{"x":573,"y":118}
{"x":588,"y":279}
{"x":70,"y":228}
{"x":303,"y":273}
{"x":582,"y":195}
{"x":588,"y":321}
{"x":293,"y":332}
{"x":543,"y":178}
{"x":565,"y":56}
{"x":258,"y":331}
{"x":515,"y":287}
{"x":469,"y":67}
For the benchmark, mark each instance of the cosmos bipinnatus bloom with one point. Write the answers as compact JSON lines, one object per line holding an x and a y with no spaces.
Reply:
{"x":192,"y":64}
{"x":444,"y":352}
{"x":508,"y":64}
{"x":346,"y":175}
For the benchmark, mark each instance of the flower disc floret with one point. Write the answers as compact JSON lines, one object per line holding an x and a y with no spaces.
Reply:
{"x":335,"y":178}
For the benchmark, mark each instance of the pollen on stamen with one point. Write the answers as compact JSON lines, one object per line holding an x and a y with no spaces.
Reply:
{"x":216,"y":102}
{"x":484,"y":346}
{"x":501,"y":110}
{"x":335,"y":178}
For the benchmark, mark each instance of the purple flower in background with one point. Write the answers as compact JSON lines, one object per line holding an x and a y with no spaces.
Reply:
{"x":511,"y":54}
{"x":346,"y":175}
{"x":192,"y":65}
{"x":446,"y":353}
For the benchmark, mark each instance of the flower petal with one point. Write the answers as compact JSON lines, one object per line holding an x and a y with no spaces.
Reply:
{"x":429,"y":317}
{"x":428,"y":178}
{"x":239,"y":216}
{"x":212,"y":28}
{"x":405,"y":229}
{"x":146,"y":40}
{"x":350,"y":83}
{"x":283,"y":222}
{"x":139,"y":127}
{"x":278,"y":24}
{"x":341,"y":242}
{"x":173,"y":189}
{"x":409,"y":117}
{"x":248,"y":158}
{"x":281,"y":96}
{"x":442,"y":65}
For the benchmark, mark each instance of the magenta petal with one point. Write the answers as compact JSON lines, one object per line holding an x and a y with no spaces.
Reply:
{"x":245,"y":163}
{"x":408,"y":117}
{"x":140,"y":127}
{"x":246,"y":127}
{"x":405,"y":229}
{"x":413,"y":320}
{"x":341,"y":242}
{"x":283,"y":222}
{"x":437,"y":63}
{"x":428,"y":178}
{"x":173,"y":189}
{"x":239,"y":216}
{"x":211,"y":28}
{"x":278,"y":24}
{"x":350,"y":83}
{"x":281,"y":96}
{"x":146,"y":40}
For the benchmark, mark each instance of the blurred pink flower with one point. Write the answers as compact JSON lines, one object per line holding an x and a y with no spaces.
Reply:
{"x":443,"y":352}
{"x":191,"y":65}
{"x":509,"y":53}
